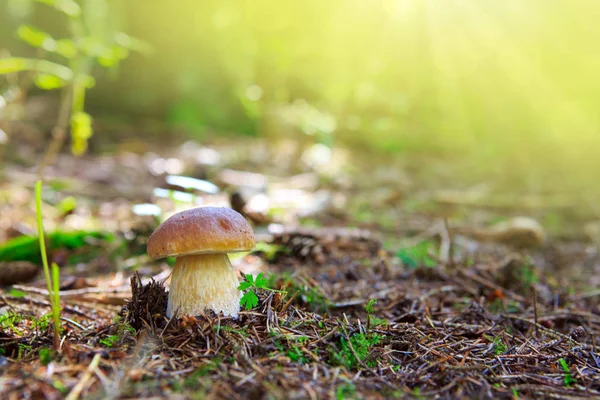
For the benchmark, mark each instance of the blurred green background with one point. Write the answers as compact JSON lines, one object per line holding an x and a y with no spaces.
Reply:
{"x":505,"y":88}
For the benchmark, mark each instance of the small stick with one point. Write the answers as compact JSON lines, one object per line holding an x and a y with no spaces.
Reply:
{"x":287,"y":304}
{"x":76,"y":391}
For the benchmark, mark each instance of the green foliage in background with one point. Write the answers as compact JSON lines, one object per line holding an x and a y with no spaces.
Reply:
{"x":88,"y":43}
{"x":507,"y":88}
{"x":26,"y":248}
{"x":418,"y":255}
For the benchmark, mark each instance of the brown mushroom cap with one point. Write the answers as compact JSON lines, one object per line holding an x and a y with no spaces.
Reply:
{"x":200,"y":231}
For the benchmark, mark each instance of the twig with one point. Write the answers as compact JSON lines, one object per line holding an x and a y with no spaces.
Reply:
{"x":76,"y":391}
{"x":287,"y":304}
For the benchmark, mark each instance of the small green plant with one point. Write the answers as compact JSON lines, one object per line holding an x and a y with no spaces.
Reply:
{"x":296,"y":355}
{"x":46,"y":355}
{"x":243,"y":331}
{"x":90,"y":42}
{"x":310,"y":295}
{"x":123,"y":330}
{"x":110,"y":341}
{"x":250,"y":299}
{"x":369,"y":307}
{"x":23,"y":349}
{"x":16,"y":293}
{"x":528,"y":275}
{"x":196,"y":380}
{"x":42,"y":322}
{"x":418,"y":255}
{"x":568,"y":379}
{"x":417,"y":393}
{"x":58,"y":385}
{"x":362,"y":344}
{"x":345,"y":391}
{"x":499,"y":347}
{"x":10,"y":319}
{"x":371,"y":320}
{"x":53,"y":283}
{"x":294,"y":352}
{"x":287,"y":344}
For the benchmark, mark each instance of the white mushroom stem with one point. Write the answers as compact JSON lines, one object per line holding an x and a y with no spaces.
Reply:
{"x":204,"y":282}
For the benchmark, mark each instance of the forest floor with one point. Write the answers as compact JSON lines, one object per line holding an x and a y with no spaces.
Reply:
{"x":394,"y":288}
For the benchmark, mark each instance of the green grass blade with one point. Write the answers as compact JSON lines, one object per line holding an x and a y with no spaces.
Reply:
{"x":56,"y":293}
{"x":40,"y":226}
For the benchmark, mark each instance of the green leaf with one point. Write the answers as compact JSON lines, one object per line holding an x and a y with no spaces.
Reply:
{"x":244,"y":285}
{"x":11,"y":65}
{"x":111,"y":56}
{"x":16,"y":293}
{"x":40,"y":39}
{"x":418,"y":255}
{"x":45,"y":355}
{"x":81,"y":131}
{"x":369,"y":306}
{"x":261,"y":281}
{"x":35,"y":37}
{"x":26,"y":248}
{"x":249,"y":300}
{"x":18,"y":64}
{"x":568,"y":379}
{"x":20,"y":248}
{"x":250,"y":279}
{"x":66,"y":48}
{"x":67,"y":205}
{"x":48,"y":82}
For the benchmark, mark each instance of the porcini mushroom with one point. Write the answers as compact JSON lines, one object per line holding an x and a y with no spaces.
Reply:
{"x":203,"y":278}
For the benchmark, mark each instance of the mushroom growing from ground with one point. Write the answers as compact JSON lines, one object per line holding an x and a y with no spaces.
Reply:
{"x":203,"y":278}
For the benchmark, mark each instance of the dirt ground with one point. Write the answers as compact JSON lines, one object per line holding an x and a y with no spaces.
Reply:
{"x":392,"y":289}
